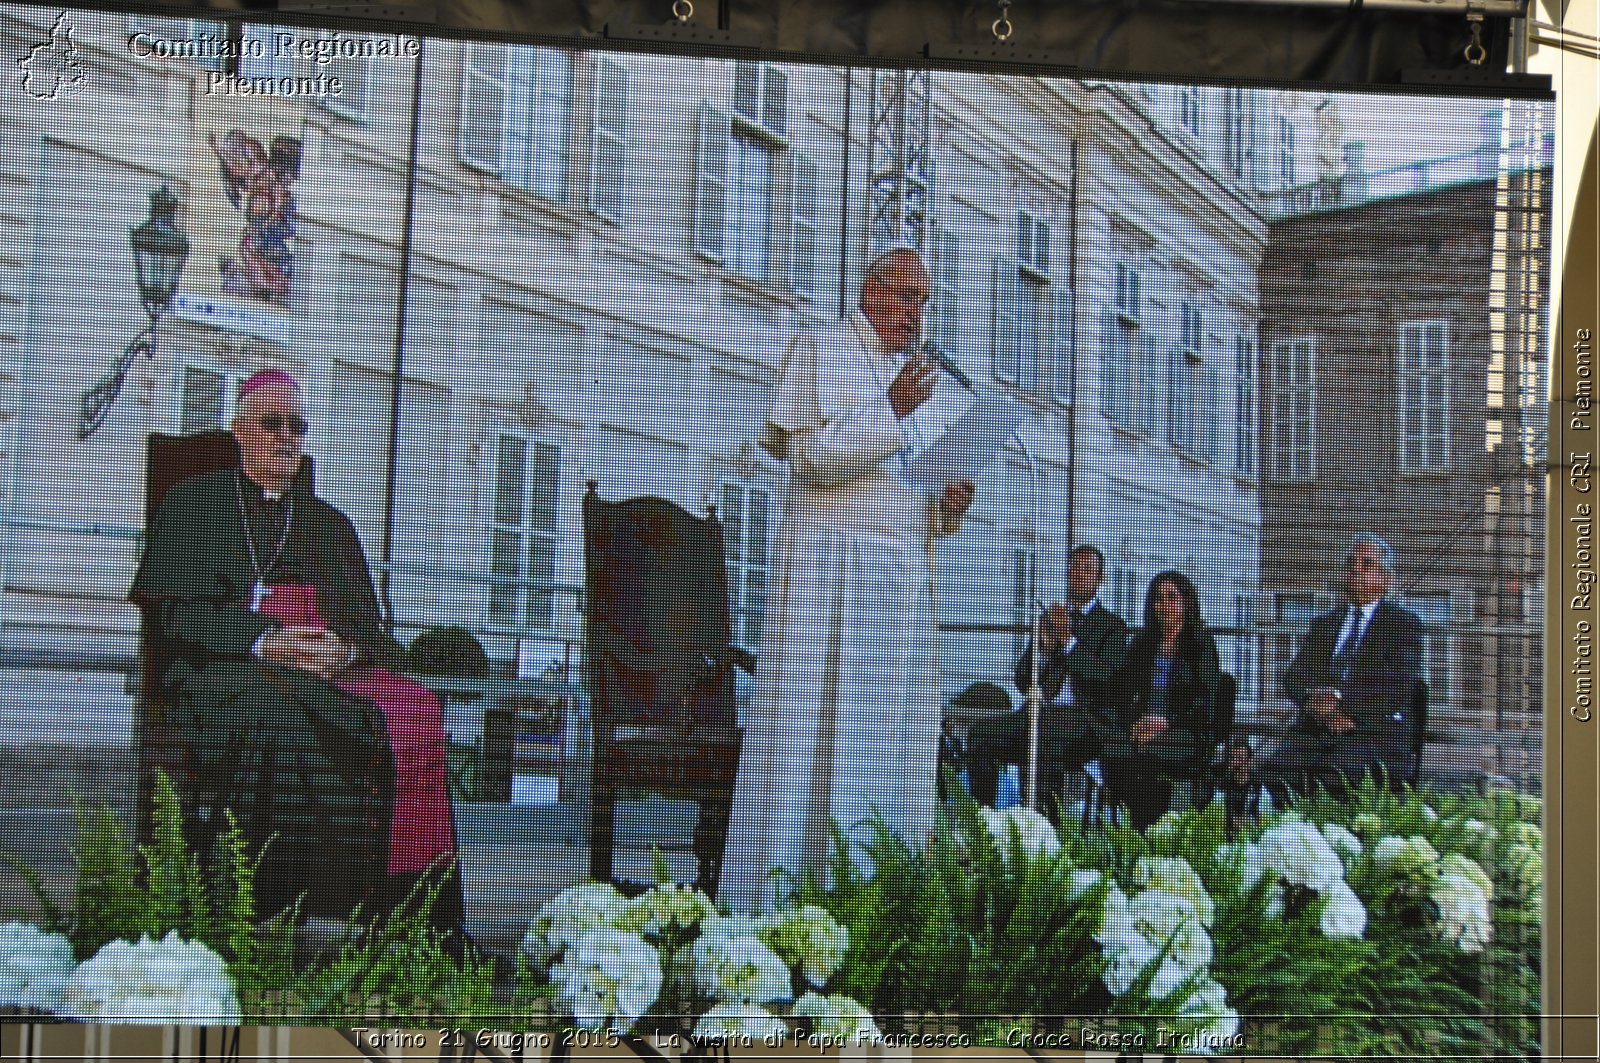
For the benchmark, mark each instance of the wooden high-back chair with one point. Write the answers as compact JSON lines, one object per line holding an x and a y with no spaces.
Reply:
{"x":660,"y":668}
{"x":170,"y":460}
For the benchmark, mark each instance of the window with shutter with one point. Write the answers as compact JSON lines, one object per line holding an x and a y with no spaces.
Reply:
{"x":1062,"y":359}
{"x":711,"y":181}
{"x":1244,"y":405}
{"x":804,"y":249}
{"x":1424,"y":396}
{"x":516,"y":116}
{"x":608,"y":163}
{"x":946,"y":303}
{"x":522,"y":530}
{"x":1294,"y":409}
{"x":1003,"y":336}
{"x":205,"y":397}
{"x":747,"y":539}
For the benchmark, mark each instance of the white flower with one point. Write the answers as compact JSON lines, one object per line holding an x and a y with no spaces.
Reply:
{"x":34,"y":967}
{"x":838,"y":1018}
{"x":570,"y":915}
{"x":166,"y":981}
{"x":1115,"y":927}
{"x":609,"y":978}
{"x":1034,"y":834}
{"x":744,"y":1021}
{"x":1456,"y":864}
{"x":1429,"y":814}
{"x":1346,"y":844}
{"x":664,"y":906}
{"x":1299,"y":854}
{"x":1081,"y":882}
{"x":1134,"y":933}
{"x":1246,"y":856}
{"x":1405,"y":856}
{"x":1343,"y":914}
{"x":1174,"y":875}
{"x":808,"y":938}
{"x":740,"y":969}
{"x":1126,"y":964}
{"x":1209,"y":1001}
{"x":732,"y":926}
{"x":1463,"y":911}
{"x":1478,"y":826}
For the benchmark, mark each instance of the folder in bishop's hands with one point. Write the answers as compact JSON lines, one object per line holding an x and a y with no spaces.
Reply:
{"x":969,"y":444}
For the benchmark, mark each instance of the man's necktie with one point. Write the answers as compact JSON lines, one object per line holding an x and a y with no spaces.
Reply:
{"x":1350,"y":639}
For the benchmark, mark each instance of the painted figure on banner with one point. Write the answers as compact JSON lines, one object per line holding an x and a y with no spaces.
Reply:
{"x":260,"y":182}
{"x":843,"y":720}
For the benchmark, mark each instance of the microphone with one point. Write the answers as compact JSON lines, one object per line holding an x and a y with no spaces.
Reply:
{"x":947,"y":363}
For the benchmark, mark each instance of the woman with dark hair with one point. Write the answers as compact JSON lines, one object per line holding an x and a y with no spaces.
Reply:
{"x":1165,"y":696}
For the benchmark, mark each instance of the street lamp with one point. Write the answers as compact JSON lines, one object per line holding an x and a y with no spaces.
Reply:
{"x":159,"y":252}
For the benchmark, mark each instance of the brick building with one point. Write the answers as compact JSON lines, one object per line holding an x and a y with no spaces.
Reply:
{"x":1400,"y":391}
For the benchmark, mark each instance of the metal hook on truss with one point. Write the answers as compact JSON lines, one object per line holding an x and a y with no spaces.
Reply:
{"x":1475,"y":53}
{"x":1002,"y":27}
{"x":683,"y":10}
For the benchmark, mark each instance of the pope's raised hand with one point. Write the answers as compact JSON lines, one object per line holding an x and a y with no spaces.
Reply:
{"x":957,"y":497}
{"x":912,"y":386}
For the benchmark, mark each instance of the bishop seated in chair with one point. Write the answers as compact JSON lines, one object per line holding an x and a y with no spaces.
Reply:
{"x":278,"y":676}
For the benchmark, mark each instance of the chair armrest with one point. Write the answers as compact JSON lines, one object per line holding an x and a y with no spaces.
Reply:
{"x":743,"y":658}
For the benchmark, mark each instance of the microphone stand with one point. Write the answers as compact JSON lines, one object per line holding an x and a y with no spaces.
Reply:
{"x":1035,"y":696}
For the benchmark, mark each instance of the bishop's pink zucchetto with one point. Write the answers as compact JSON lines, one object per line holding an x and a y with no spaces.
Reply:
{"x":266,"y":378}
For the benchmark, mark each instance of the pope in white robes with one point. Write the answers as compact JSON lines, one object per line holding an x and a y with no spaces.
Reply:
{"x":843,"y":721}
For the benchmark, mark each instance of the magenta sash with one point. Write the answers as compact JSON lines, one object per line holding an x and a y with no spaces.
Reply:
{"x":421,"y":832}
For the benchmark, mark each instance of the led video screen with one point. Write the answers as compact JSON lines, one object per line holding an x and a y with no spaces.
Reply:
{"x":546,"y":546}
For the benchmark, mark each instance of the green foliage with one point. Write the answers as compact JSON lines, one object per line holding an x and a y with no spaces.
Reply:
{"x":1002,"y":939}
{"x":394,"y":966}
{"x":971,"y":927}
{"x":397,"y":967}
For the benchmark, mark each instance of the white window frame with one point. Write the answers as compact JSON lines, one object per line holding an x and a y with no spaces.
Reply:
{"x":1129,"y":396}
{"x":1423,"y":395}
{"x":1286,"y":152}
{"x":1437,"y":613}
{"x":1236,"y":131}
{"x":1031,"y":340}
{"x":748,"y":554}
{"x":945,"y":325}
{"x":766,"y":111}
{"x":1191,"y":109}
{"x":530,"y":90}
{"x":230,"y":377}
{"x":1244,"y":405}
{"x":609,"y":159}
{"x":1294,"y":409}
{"x":270,"y":64}
{"x":757,"y":197}
{"x":1191,"y":411}
{"x":533,"y":608}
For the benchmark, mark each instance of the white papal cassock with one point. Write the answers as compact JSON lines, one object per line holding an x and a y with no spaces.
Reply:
{"x":844,"y":715}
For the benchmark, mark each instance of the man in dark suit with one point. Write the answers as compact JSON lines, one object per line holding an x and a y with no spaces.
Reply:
{"x":1355,"y":680}
{"x":1084,"y":644}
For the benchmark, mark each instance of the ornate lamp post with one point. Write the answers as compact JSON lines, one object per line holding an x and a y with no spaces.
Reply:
{"x":159,"y":252}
